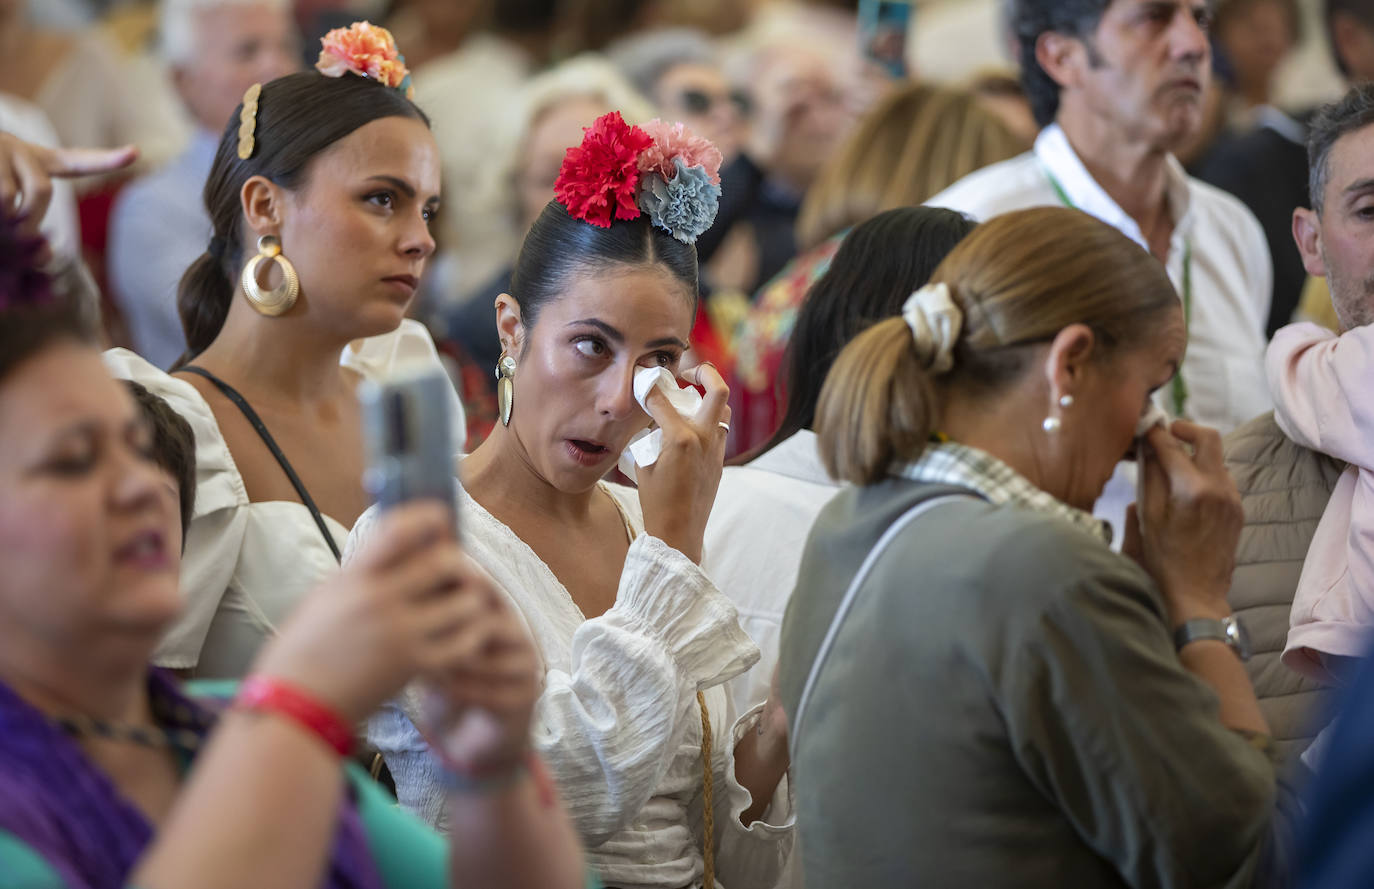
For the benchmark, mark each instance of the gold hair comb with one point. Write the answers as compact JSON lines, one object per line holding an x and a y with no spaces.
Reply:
{"x":248,"y":121}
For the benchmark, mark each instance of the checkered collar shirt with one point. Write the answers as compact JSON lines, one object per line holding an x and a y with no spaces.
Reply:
{"x":950,"y":463}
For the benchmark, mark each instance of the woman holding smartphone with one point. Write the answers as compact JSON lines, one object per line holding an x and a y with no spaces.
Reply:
{"x":666,"y":786}
{"x":112,"y":774}
{"x":321,"y":196}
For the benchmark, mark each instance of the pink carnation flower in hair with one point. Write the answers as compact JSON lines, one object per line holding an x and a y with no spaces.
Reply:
{"x":363,"y":49}
{"x":674,"y":140}
{"x":599,"y":178}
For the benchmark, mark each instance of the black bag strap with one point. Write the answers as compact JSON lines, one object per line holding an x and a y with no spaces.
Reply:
{"x":241,"y":403}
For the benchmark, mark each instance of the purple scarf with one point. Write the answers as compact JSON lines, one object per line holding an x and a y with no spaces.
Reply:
{"x":62,"y":806}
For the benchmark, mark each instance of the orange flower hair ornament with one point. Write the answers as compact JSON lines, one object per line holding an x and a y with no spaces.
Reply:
{"x":368,"y":51}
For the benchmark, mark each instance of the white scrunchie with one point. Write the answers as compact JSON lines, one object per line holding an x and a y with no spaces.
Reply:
{"x":935,"y":323}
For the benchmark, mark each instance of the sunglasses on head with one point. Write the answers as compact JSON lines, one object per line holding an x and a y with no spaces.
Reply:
{"x":696,"y":101}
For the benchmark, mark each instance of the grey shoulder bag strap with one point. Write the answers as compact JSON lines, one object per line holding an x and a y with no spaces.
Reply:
{"x":847,"y":603}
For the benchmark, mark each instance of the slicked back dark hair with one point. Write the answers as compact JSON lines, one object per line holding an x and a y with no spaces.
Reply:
{"x":558,"y":246}
{"x":1030,"y":19}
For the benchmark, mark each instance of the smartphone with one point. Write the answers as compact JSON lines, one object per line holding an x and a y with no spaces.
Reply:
{"x":408,"y":435}
{"x":883,"y":26}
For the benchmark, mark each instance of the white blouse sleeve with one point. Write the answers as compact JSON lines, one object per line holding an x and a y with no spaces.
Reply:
{"x":608,"y":729}
{"x":215,"y":536}
{"x":757,"y":855}
{"x":410,"y":343}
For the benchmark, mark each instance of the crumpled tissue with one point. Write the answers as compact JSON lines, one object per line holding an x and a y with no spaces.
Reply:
{"x":644,"y":448}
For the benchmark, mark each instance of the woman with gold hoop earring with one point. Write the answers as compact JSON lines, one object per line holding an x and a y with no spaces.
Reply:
{"x":321,"y":197}
{"x":668,"y":785}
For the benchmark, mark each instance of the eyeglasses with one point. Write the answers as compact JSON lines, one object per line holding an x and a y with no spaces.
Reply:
{"x":695,"y":101}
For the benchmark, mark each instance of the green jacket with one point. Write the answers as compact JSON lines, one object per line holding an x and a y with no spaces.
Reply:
{"x":1284,"y":488}
{"x":1003,"y":707}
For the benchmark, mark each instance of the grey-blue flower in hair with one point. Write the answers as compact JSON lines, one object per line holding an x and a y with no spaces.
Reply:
{"x":684,"y":206}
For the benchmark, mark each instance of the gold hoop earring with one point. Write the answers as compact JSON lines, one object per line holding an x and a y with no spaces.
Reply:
{"x":505,"y":387}
{"x":279,"y":299}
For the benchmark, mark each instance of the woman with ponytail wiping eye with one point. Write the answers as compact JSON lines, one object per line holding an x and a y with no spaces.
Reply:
{"x":980,"y":691}
{"x":321,"y":196}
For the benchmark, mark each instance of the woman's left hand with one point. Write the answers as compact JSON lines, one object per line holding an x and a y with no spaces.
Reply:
{"x":762,"y":757}
{"x":773,"y":722}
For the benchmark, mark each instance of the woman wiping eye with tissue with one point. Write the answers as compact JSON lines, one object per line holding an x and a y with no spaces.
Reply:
{"x":667,"y":786}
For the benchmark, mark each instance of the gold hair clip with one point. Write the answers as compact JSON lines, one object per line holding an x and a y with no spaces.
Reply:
{"x":248,"y":121}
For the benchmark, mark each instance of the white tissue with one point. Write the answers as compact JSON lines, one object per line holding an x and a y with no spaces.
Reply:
{"x":644,"y":448}
{"x":1154,"y":416}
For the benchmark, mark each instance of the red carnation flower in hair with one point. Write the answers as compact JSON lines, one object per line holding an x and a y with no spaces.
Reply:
{"x":599,"y":178}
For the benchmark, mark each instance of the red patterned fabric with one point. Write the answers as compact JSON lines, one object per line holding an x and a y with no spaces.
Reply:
{"x":757,"y":394}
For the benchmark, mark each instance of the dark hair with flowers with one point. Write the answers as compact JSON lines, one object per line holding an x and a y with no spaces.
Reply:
{"x":626,"y":197}
{"x":558,"y":246}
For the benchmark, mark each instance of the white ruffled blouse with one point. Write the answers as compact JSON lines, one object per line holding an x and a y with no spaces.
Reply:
{"x":247,"y":564}
{"x":618,"y":722}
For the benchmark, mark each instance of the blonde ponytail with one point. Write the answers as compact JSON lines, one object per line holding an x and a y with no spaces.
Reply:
{"x":1013,"y":283}
{"x":878,"y":405}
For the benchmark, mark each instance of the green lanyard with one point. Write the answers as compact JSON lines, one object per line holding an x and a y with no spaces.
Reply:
{"x":1178,"y":388}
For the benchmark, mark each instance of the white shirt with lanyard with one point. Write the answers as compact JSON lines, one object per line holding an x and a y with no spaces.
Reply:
{"x":1219,"y":261}
{"x":1178,"y":387}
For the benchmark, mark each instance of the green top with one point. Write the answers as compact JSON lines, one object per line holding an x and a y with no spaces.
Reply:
{"x":1017,"y":680}
{"x":407,"y":852}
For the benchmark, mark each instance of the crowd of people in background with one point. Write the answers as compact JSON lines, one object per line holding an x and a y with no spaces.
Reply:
{"x":897,"y":443}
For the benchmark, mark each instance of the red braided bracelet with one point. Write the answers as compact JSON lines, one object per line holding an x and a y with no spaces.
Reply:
{"x":264,"y":694}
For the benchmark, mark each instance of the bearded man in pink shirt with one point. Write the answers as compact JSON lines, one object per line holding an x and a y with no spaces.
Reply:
{"x":1323,"y":388}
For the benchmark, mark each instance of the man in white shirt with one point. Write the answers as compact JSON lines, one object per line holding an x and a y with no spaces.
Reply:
{"x":1117,"y":85}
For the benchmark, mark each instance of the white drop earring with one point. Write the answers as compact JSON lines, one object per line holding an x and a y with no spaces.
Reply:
{"x":1052,"y":424}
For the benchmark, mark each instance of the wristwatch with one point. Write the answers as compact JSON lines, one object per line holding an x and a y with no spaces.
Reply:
{"x":1229,"y":630}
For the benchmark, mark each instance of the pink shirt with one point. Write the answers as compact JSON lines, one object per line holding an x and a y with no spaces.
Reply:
{"x":1324,"y":400}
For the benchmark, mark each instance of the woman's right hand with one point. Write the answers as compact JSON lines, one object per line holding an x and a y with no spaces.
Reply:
{"x":27,"y":171}
{"x":408,"y":603}
{"x":1185,"y":529}
{"x":480,"y":714}
{"x":678,"y":491}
